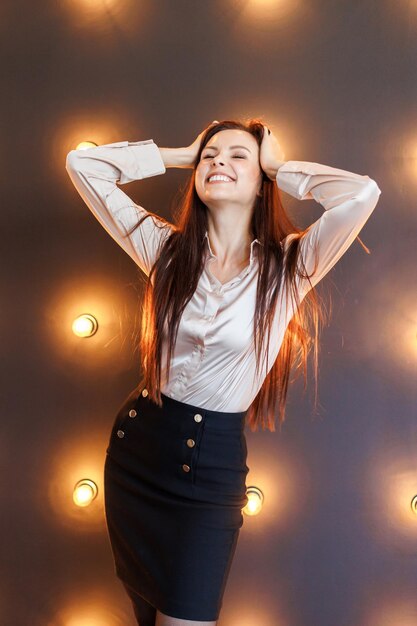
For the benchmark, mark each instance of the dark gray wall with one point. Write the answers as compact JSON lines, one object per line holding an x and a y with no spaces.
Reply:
{"x":336,"y":542}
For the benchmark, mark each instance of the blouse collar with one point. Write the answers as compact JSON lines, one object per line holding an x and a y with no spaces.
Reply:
{"x":206,"y":237}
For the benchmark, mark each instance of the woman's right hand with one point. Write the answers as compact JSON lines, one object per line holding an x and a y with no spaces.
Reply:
{"x":193,"y":148}
{"x":183,"y":157}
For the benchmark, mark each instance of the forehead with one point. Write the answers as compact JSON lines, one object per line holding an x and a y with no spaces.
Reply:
{"x":231,"y":137}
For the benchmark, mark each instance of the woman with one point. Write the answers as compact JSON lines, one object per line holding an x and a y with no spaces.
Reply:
{"x":231,"y":284}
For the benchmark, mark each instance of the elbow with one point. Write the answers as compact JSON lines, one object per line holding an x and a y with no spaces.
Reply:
{"x":70,"y":162}
{"x":369,"y":194}
{"x":374,"y":189}
{"x":374,"y":192}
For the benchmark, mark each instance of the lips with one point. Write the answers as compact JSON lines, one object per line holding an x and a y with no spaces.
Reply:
{"x":230,"y":179}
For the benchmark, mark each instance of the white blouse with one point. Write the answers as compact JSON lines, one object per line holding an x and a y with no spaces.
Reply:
{"x":213,"y":365}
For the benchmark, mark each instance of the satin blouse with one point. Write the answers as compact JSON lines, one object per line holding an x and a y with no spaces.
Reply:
{"x":213,"y":365}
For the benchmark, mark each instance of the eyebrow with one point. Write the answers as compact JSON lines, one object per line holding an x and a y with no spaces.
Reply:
{"x":231,"y":148}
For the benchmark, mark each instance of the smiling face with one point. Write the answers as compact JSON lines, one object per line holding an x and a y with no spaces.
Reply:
{"x":234,"y":154}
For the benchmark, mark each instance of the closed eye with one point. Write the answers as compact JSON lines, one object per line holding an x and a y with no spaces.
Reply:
{"x":236,"y":156}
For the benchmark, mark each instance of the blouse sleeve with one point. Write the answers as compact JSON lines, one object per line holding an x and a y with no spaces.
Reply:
{"x":95,"y":172}
{"x":348,"y":200}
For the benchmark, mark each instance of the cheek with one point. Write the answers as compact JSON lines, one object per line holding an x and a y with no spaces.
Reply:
{"x":200,"y":175}
{"x":256,"y":178}
{"x":254,"y":174}
{"x":198,"y":185}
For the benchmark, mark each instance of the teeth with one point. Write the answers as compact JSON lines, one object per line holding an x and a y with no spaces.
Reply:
{"x":219,"y":177}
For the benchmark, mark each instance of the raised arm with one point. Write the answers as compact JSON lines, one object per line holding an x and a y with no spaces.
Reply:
{"x":95,"y":172}
{"x":348,"y":200}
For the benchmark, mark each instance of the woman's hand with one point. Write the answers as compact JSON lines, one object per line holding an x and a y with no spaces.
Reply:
{"x":271,"y":155}
{"x":183,"y":157}
{"x":195,"y":146}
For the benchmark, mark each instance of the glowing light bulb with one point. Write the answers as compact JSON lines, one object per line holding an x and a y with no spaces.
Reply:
{"x":83,"y":145}
{"x":255,"y":501}
{"x":85,"y":325}
{"x":84,"y":492}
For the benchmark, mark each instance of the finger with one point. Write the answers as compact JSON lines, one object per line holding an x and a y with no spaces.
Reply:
{"x":212,"y":124}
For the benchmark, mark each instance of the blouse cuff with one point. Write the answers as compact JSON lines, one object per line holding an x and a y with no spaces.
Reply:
{"x":143,"y":159}
{"x":294,"y":177}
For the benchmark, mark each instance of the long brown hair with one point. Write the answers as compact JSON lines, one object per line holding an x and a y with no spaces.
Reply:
{"x":167,"y":292}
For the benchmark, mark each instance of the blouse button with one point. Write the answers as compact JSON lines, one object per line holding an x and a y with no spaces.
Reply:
{"x":190,"y":443}
{"x":186,"y":468}
{"x":198,"y":417}
{"x":132,"y":413}
{"x":145,"y":393}
{"x":120,"y":434}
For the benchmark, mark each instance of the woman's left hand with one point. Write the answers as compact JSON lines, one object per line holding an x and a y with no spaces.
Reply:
{"x":271,"y":155}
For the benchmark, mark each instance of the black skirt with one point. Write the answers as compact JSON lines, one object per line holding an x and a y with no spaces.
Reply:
{"x":175,"y":486}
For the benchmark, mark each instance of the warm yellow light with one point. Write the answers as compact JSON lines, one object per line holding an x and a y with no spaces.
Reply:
{"x":255,"y":501}
{"x":414,"y":504}
{"x":85,"y":325}
{"x":84,"y":492}
{"x":83,"y":145}
{"x":266,"y":3}
{"x":85,"y":621}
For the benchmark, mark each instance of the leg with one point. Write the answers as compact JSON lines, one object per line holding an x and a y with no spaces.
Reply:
{"x":144,"y":612}
{"x":166,"y":620}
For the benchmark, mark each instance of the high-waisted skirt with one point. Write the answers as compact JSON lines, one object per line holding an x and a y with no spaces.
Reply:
{"x":175,"y":487}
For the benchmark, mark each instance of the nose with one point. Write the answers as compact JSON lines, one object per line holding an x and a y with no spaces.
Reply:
{"x":217,"y":161}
